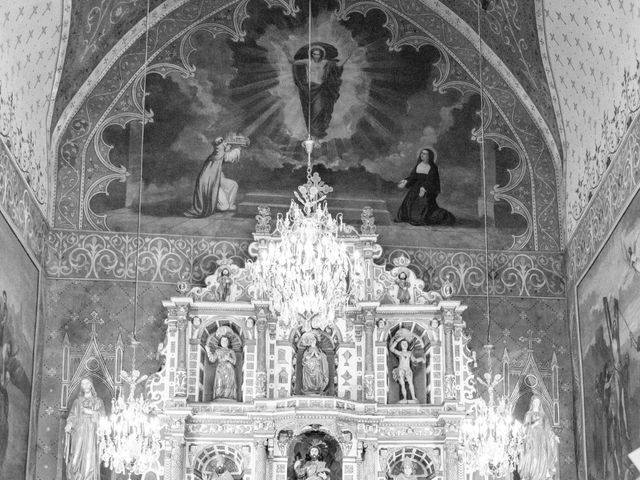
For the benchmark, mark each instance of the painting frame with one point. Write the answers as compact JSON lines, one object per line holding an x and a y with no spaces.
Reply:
{"x":579,"y":352}
{"x":37,"y":352}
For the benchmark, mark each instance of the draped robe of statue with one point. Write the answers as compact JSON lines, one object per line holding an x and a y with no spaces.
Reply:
{"x":225,"y":381}
{"x":539,"y":459}
{"x":83,"y":462}
{"x":315,"y":370}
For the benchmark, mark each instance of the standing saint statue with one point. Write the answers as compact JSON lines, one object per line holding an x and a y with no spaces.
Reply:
{"x":540,"y":456}
{"x":404,"y":286}
{"x":213,"y":191}
{"x":223,"y":289}
{"x":403,"y":373}
{"x":81,"y":449}
{"x":313,"y":468}
{"x":225,"y":376}
{"x":315,"y":368}
{"x":317,"y":73}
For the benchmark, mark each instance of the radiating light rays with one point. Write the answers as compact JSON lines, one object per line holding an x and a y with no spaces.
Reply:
{"x":261,"y":120}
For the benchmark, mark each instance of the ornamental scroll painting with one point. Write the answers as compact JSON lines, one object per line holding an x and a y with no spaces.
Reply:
{"x":18,"y":314}
{"x":372,"y":111}
{"x":609,"y":329}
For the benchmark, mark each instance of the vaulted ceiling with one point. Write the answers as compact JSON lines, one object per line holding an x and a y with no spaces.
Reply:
{"x":576,"y":60}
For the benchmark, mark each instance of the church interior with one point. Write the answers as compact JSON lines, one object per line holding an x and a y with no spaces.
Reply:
{"x":319,"y":239}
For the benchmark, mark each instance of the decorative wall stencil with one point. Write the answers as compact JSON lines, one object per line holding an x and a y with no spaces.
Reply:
{"x":615,"y":191}
{"x":85,"y":173}
{"x":18,"y":204}
{"x":32,"y":45}
{"x":163,"y":259}
{"x":20,"y":290}
{"x":170,"y":259}
{"x":97,"y":26}
{"x":73,"y":309}
{"x":593,"y":54}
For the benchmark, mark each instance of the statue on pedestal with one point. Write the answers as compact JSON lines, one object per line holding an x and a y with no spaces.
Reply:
{"x":403,"y":373}
{"x":223,"y":290}
{"x":539,"y":458}
{"x":315,"y":368}
{"x":81,"y":446}
{"x":225,"y":377}
{"x":404,"y":286}
{"x":313,"y":468}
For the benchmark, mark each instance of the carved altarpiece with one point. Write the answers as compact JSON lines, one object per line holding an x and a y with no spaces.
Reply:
{"x":365,"y":431}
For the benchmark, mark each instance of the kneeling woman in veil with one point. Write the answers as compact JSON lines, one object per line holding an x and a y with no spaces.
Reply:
{"x":419,"y":206}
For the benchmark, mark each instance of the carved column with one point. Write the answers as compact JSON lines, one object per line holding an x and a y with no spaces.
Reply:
{"x":177,"y":462}
{"x":260,"y":467}
{"x":369,"y":463}
{"x":181,"y":370}
{"x":177,"y":323}
{"x":261,"y":352}
{"x":369,"y":352}
{"x":452,"y":468}
{"x":449,"y":370}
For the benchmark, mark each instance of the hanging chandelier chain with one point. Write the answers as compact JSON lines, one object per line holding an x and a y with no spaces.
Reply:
{"x":143,"y":104}
{"x":484,"y":174}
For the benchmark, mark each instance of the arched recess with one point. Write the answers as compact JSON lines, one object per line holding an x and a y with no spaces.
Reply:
{"x":423,"y":465}
{"x":204,"y":462}
{"x":114,"y":98}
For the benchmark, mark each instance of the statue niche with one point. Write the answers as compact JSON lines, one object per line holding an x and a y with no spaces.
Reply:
{"x":410,"y":463}
{"x":315,"y":356}
{"x":407,"y":362}
{"x":314,"y":455}
{"x":222,"y":347}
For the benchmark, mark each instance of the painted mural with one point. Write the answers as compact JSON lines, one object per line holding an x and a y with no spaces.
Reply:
{"x":609,"y":331}
{"x":18,"y":313}
{"x":227,"y":138}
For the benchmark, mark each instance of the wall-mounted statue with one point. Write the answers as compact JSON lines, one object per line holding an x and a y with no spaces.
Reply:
{"x":404,"y":286}
{"x":403,"y":373}
{"x":223,"y":290}
{"x":315,"y":367}
{"x":81,"y":445}
{"x":540,"y":457}
{"x":223,"y":354}
{"x":313,"y":468}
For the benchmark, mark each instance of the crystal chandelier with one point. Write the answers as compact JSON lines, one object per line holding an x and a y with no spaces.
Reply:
{"x":306,"y":270}
{"x":492,"y":441}
{"x":129,"y":440}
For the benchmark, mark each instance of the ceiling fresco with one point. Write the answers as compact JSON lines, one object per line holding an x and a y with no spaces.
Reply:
{"x":593,"y":52}
{"x":372,"y":139}
{"x":507,"y":27}
{"x":33,"y":35}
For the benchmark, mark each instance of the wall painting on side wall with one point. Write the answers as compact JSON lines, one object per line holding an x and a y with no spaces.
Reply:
{"x":609,"y":331}
{"x":19,"y":286}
